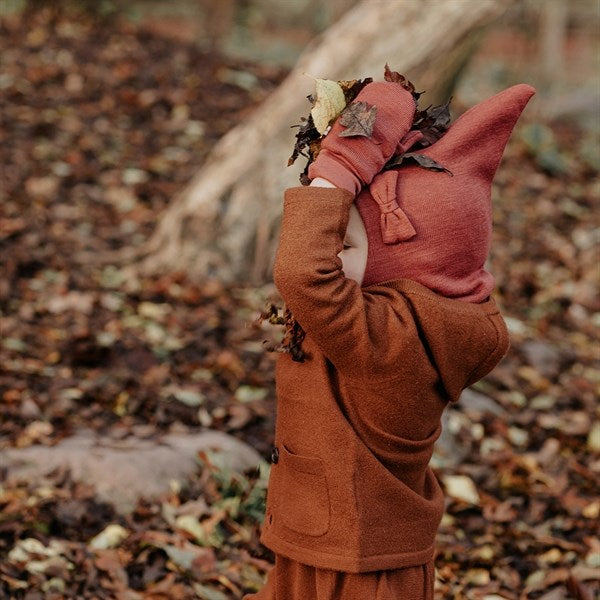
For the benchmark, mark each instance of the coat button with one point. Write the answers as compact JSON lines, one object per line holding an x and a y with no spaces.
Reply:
{"x":274,"y":455}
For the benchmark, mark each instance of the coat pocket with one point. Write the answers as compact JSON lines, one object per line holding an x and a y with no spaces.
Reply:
{"x":304,"y":494}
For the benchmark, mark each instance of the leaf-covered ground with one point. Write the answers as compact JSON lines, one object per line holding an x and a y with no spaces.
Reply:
{"x":100,"y":126}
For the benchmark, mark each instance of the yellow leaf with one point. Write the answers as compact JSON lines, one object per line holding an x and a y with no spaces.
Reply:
{"x":110,"y":537}
{"x":478,"y":577}
{"x":190,"y":524}
{"x":593,"y":440}
{"x":329,"y":103}
{"x":462,"y":488}
{"x":592,"y":510}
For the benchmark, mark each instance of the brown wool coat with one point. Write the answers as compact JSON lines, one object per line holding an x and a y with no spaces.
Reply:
{"x":351,"y":488}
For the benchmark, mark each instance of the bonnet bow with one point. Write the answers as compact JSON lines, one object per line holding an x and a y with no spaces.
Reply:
{"x":395,"y":225}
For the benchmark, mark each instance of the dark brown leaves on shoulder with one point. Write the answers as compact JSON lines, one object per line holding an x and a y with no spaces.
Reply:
{"x":294,"y":334}
{"x":358,"y":118}
{"x":271,"y":314}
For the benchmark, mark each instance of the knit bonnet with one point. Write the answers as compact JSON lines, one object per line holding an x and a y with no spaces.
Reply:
{"x":433,"y":227}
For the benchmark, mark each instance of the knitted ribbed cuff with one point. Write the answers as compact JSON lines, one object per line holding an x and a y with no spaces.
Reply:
{"x":330,"y":169}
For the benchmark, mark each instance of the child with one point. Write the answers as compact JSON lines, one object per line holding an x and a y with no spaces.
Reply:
{"x":384,"y":271}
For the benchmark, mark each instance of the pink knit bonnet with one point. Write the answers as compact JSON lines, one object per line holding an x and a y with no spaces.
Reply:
{"x":433,"y":227}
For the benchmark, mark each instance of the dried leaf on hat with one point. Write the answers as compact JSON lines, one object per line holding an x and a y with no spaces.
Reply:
{"x":432,"y":123}
{"x":333,"y":98}
{"x":421,"y":159}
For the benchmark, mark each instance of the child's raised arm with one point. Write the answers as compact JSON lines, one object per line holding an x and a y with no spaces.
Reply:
{"x":331,"y":308}
{"x":308,"y":273}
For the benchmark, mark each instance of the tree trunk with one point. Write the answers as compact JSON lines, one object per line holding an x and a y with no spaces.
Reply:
{"x":225,"y":222}
{"x":554,"y":18}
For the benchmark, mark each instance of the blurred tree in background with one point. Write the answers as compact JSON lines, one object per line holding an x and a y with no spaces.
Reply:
{"x":278,"y":32}
{"x":540,"y":56}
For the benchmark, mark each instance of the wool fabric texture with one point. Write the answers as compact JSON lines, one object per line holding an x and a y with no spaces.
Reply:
{"x":290,"y":579}
{"x":350,"y":489}
{"x":441,"y":224}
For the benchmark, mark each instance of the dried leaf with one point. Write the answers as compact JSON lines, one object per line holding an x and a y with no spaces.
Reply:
{"x":462,"y":488}
{"x":351,"y":88}
{"x":395,"y":77}
{"x":358,"y":118}
{"x":182,"y":557}
{"x":187,"y":396}
{"x":191,"y":525}
{"x":329,"y":103}
{"x":108,"y":560}
{"x":248,"y":393}
{"x":421,"y":159}
{"x":209,"y":593}
{"x":432,"y":123}
{"x":593,"y":439}
{"x":307,"y":134}
{"x":110,"y":537}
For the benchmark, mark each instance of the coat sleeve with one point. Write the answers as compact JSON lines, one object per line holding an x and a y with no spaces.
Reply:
{"x":347,"y":325}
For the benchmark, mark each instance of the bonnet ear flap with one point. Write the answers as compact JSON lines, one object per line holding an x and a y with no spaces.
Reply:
{"x":478,"y":137}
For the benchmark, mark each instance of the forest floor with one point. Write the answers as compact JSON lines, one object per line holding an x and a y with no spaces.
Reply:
{"x":100,"y":126}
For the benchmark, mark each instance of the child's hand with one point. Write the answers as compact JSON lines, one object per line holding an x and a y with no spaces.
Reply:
{"x":352,"y":162}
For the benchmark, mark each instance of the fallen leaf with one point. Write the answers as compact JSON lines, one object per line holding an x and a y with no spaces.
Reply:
{"x":248,"y":393}
{"x":208,"y":593}
{"x":191,"y":525}
{"x":110,"y":537}
{"x":593,"y":439}
{"x":477,"y":577}
{"x":108,"y":560}
{"x":461,"y":487}
{"x":239,"y":416}
{"x":44,"y":187}
{"x":187,"y":396}
{"x":183,"y":558}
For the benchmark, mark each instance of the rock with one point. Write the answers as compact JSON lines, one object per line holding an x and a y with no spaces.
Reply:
{"x":122,"y":471}
{"x":450,"y":449}
{"x":29,"y":409}
{"x":472,"y":401}
{"x":541,"y":355}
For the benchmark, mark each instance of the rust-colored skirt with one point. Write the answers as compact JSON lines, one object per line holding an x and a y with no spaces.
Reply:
{"x":290,"y":580}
